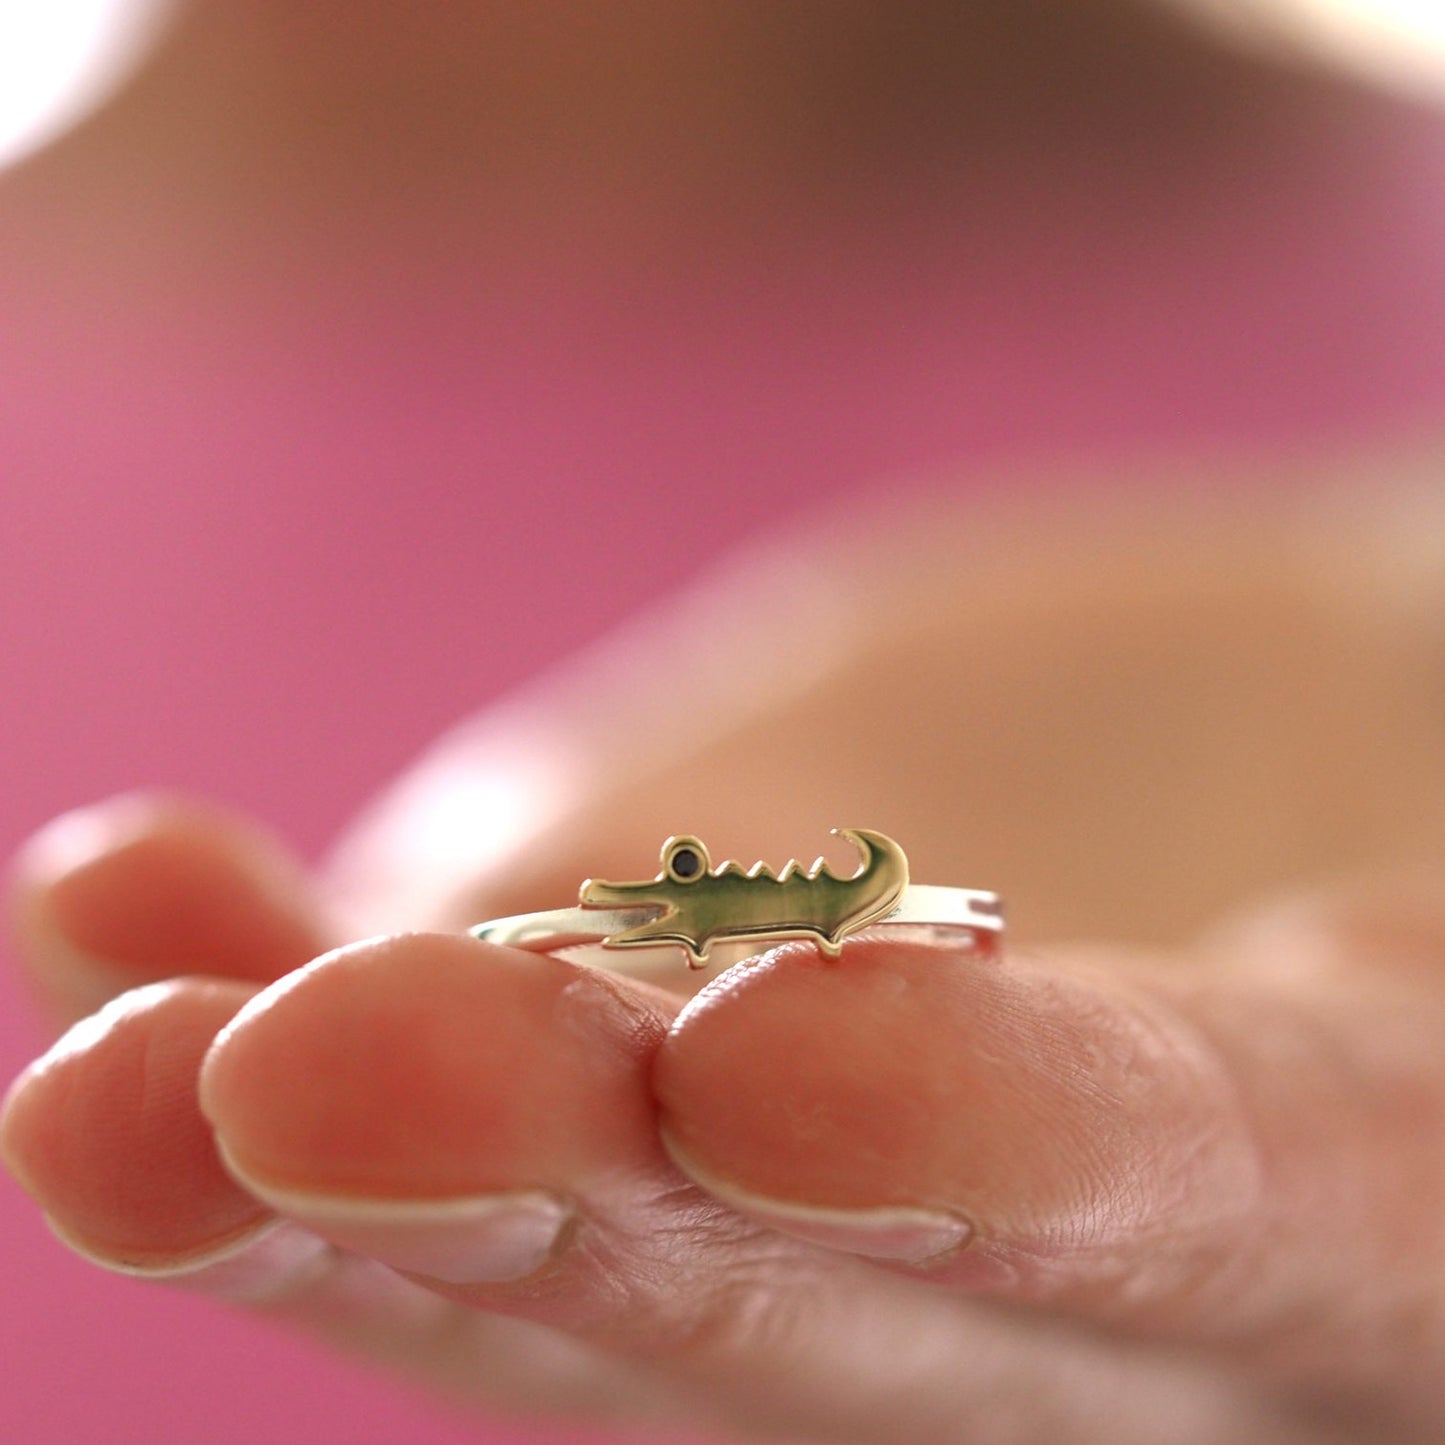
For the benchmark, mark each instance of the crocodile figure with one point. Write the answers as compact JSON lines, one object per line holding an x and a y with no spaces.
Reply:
{"x":699,"y":904}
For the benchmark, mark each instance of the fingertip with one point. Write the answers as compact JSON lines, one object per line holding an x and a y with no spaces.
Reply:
{"x":1020,"y":1104}
{"x":104,"y":1132}
{"x":151,"y":885}
{"x":430,"y":1066}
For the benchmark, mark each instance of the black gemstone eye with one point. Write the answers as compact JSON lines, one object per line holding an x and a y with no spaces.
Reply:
{"x":686,"y":863}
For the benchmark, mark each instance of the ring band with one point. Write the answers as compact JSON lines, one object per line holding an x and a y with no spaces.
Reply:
{"x":724,"y":914}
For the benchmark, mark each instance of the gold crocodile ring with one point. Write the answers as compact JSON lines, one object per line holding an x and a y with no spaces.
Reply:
{"x":729,"y":911}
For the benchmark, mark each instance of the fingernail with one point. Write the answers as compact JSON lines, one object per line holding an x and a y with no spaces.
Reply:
{"x":902,"y":1232}
{"x":260,"y":1266}
{"x":467,"y":1239}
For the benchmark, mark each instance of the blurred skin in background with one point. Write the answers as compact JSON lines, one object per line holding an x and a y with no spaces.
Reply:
{"x":660,"y":124}
{"x":1182,"y":1182}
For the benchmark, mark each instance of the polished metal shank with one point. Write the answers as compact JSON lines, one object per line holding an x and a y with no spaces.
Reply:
{"x":558,"y":930}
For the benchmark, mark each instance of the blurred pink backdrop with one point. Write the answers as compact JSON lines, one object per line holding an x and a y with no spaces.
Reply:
{"x":269,"y":527}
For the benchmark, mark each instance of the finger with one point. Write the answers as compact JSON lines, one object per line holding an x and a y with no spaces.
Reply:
{"x":516,"y":1129}
{"x":480,"y":1119}
{"x":149,"y":886}
{"x":1255,"y":1168}
{"x":476,"y":1116}
{"x":118,"y":1088}
{"x":106,"y":1133}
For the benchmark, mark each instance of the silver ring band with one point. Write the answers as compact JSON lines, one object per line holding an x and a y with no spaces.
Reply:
{"x":971,"y":916}
{"x":728,"y":913}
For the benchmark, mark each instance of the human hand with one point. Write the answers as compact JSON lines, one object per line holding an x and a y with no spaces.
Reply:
{"x":1188,"y":1190}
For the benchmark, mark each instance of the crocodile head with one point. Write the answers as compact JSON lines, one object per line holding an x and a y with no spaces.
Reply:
{"x":685,"y":861}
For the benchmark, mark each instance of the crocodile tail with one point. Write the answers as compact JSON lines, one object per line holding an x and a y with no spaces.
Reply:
{"x":877,"y":850}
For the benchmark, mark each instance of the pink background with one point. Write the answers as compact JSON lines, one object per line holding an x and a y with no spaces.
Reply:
{"x":269,"y":528}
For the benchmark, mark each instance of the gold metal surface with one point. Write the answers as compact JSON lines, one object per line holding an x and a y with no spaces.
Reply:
{"x":698,"y":904}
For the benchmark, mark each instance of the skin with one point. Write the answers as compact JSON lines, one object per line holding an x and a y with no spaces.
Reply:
{"x":1185,"y":1180}
{"x":568,"y":141}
